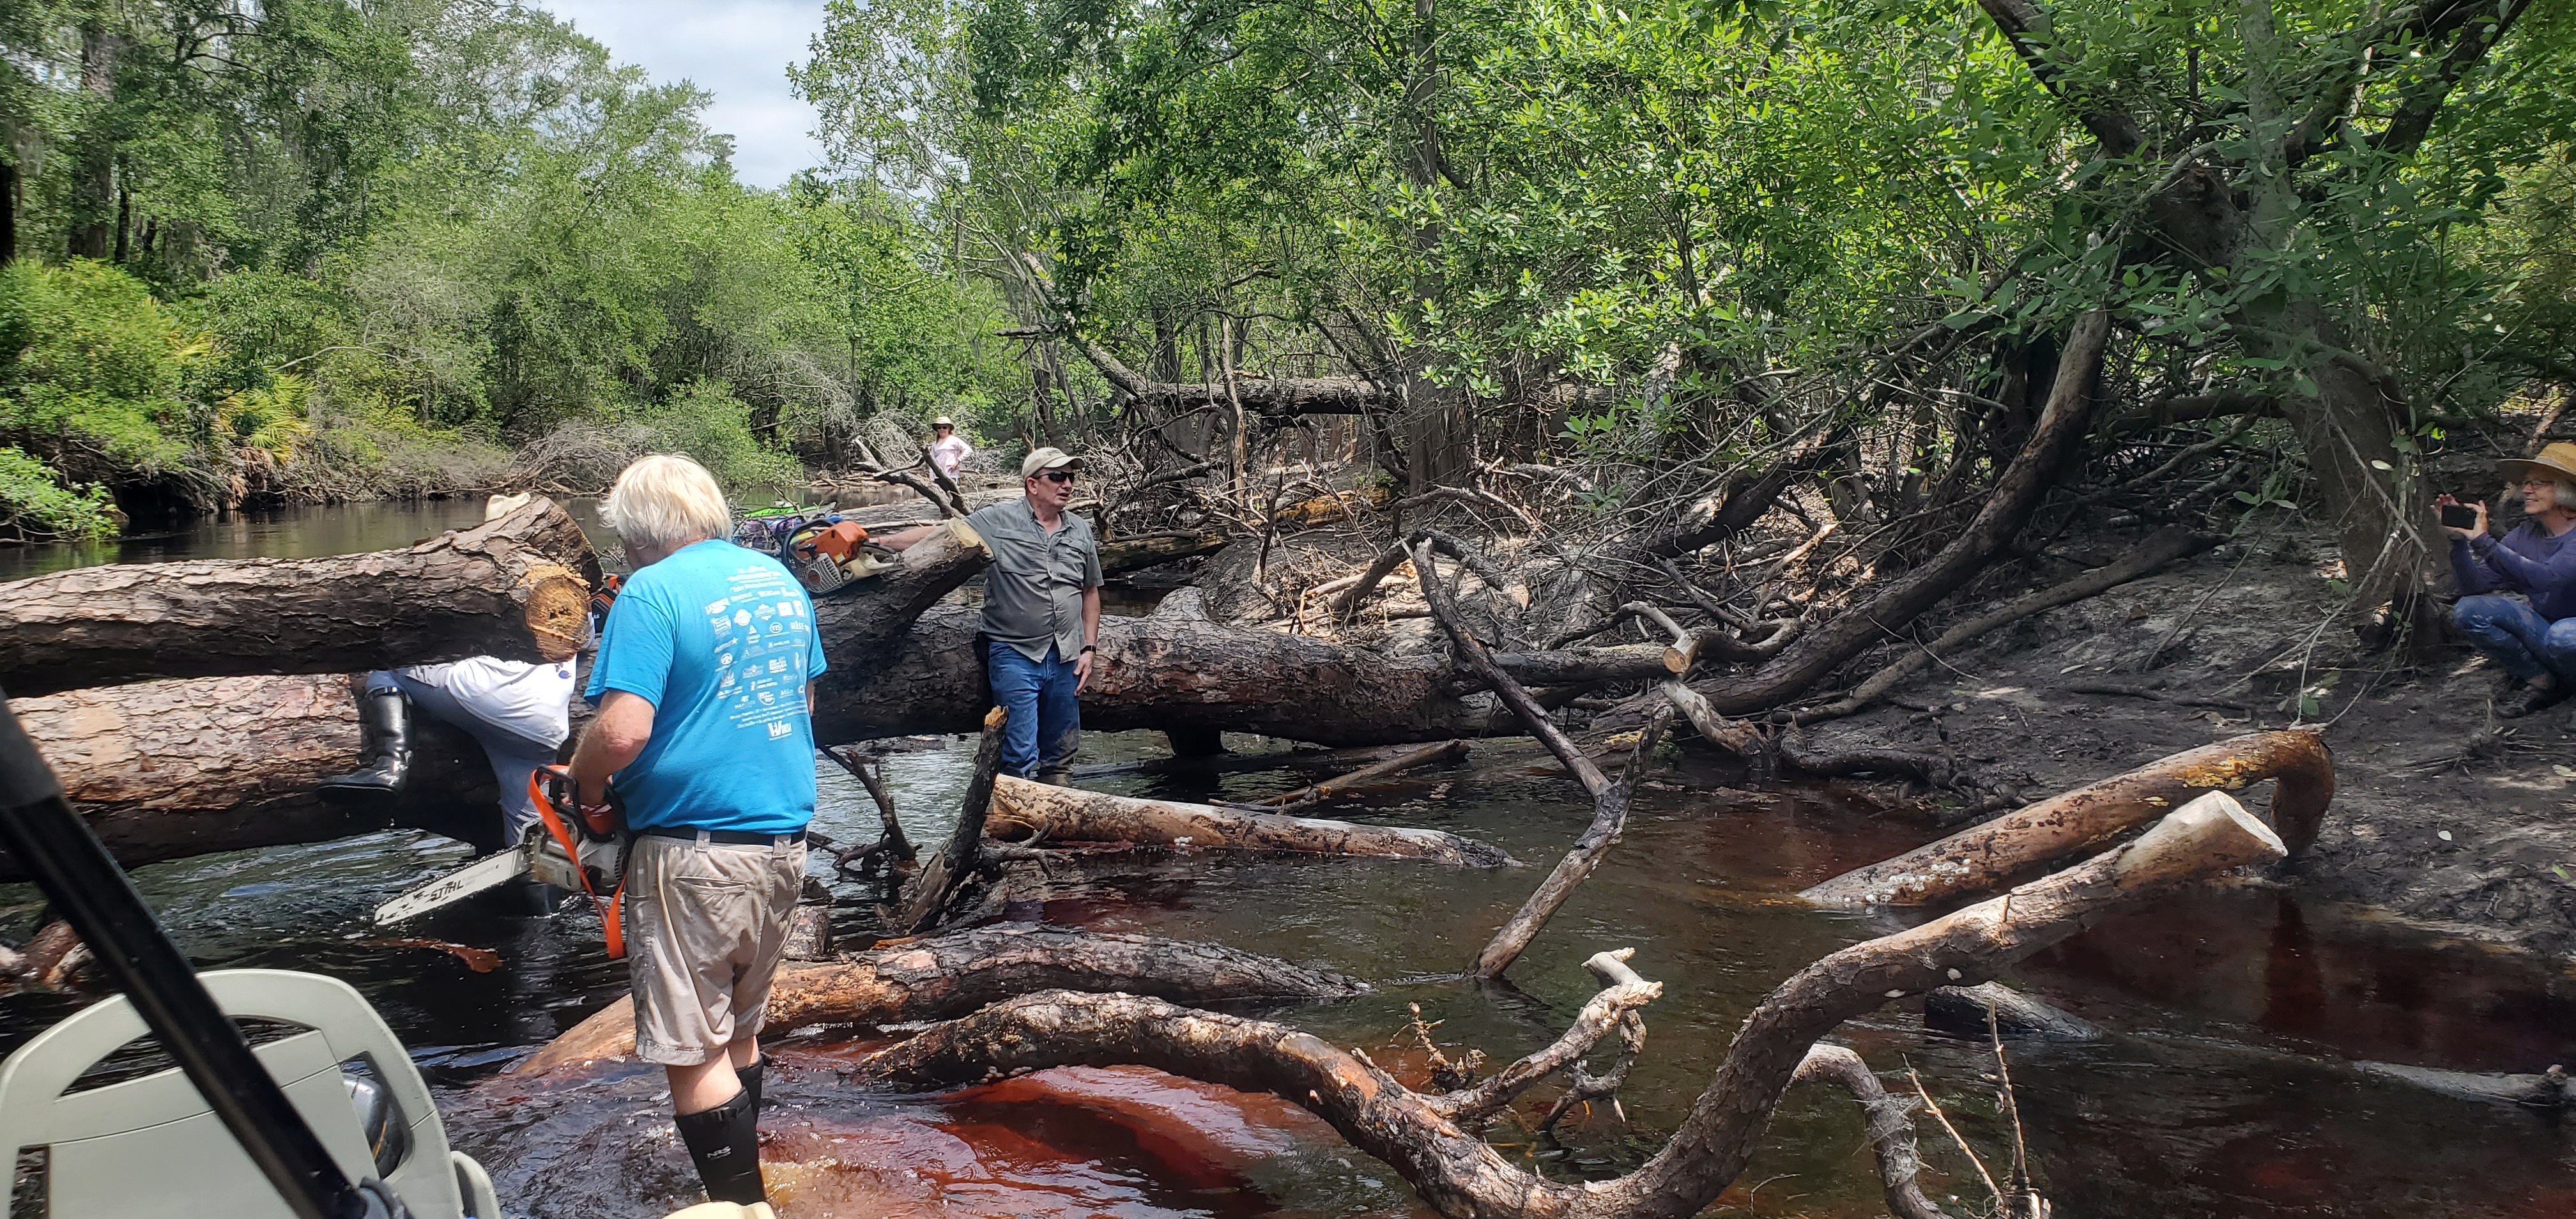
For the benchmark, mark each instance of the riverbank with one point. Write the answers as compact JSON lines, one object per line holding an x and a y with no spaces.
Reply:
{"x":2443,"y":815}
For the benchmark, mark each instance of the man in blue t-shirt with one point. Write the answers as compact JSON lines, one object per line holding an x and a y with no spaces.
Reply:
{"x":703,"y":685}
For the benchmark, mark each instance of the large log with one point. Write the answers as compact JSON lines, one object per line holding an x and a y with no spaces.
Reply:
{"x":514,"y":588}
{"x":1024,"y":811}
{"x":1163,"y":673}
{"x":177,"y":768}
{"x":946,"y":976}
{"x":1988,"y":856}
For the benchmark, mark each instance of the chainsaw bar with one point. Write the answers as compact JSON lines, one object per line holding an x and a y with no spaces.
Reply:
{"x":489,"y":872}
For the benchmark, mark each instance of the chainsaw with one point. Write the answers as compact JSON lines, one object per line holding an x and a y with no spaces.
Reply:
{"x":588,"y":854}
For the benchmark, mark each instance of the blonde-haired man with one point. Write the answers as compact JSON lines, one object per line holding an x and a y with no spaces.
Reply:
{"x":703,"y":684}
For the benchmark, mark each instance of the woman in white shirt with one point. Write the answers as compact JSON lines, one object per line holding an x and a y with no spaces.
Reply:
{"x":950,"y":450}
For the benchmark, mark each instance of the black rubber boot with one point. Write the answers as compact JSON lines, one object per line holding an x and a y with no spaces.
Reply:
{"x":384,"y":744}
{"x":725,"y":1144}
{"x":750,"y":1077}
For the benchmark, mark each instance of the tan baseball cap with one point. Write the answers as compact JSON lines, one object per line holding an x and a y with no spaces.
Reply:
{"x":1048,"y":459}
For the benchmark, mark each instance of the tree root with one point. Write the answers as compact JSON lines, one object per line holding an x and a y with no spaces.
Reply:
{"x":1461,"y":1177}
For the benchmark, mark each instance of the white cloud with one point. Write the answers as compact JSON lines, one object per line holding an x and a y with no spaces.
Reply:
{"x":737,"y":50}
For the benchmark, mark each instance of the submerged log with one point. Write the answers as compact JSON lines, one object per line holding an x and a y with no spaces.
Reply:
{"x":1341,"y":785}
{"x":1985,"y":857}
{"x":177,"y":768}
{"x":1024,"y":811}
{"x":1458,"y":1174}
{"x":517,"y":588}
{"x":946,"y":976}
{"x":2552,"y":1089}
{"x":1992,"y":1009}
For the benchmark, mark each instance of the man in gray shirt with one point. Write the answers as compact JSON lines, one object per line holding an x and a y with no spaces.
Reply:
{"x":1041,"y":612}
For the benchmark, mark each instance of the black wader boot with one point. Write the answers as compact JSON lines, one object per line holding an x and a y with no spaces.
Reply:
{"x":750,"y":1077}
{"x":384,"y":745}
{"x":724,"y":1142}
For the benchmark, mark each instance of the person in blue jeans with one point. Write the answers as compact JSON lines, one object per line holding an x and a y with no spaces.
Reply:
{"x":2520,"y":606}
{"x":1041,"y":626}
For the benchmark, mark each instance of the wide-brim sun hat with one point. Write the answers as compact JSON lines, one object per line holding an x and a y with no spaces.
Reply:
{"x":943,"y":421}
{"x":2555,"y":462}
{"x":1048,"y":459}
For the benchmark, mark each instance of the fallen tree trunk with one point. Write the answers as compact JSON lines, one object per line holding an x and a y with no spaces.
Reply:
{"x":1035,"y":812}
{"x":946,"y":976}
{"x":1458,"y":1174}
{"x":1136,"y":554}
{"x":1162,"y":673}
{"x":517,"y":588}
{"x":169,"y":769}
{"x":1985,"y":857}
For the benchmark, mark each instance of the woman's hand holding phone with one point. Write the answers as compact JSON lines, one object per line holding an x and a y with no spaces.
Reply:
{"x":2464,"y":521}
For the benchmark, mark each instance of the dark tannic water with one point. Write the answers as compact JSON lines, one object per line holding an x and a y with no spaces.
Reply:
{"x":2223,"y":1090}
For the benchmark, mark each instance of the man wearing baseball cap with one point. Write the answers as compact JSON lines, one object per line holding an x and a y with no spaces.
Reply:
{"x":2521,"y":602}
{"x":1041,"y":611}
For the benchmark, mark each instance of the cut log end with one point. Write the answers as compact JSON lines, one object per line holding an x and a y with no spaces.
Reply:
{"x":558,"y":612}
{"x":2211,"y":834}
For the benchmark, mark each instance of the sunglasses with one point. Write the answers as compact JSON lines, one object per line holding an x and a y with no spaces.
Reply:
{"x":1056,"y":476}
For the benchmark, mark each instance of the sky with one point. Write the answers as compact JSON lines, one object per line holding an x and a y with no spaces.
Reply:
{"x":737,"y":50}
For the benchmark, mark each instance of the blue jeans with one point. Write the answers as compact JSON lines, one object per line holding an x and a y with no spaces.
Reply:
{"x":1039,"y":695}
{"x":2526,"y":644}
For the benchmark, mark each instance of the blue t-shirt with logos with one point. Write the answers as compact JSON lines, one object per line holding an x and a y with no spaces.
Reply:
{"x":721,"y":641}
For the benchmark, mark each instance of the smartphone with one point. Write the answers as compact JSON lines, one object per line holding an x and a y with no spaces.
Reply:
{"x":2459,"y":516}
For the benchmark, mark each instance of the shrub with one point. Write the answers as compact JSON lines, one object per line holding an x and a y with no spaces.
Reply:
{"x":92,"y":371}
{"x":35,"y":508}
{"x":705,"y":421}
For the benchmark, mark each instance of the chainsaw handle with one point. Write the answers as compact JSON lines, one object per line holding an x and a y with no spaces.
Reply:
{"x":553,"y":786}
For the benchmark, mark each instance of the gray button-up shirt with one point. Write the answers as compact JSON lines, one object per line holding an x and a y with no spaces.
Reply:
{"x":1033,"y":592}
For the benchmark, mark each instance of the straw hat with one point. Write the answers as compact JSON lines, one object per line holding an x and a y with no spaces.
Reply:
{"x":943,"y":421}
{"x":2555,"y":462}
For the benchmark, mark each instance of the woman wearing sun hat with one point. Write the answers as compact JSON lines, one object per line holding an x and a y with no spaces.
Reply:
{"x":2520,"y":606}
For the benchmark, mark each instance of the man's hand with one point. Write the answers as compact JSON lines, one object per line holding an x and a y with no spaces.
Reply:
{"x":615,"y":736}
{"x":902,"y":539}
{"x":1082,"y":670}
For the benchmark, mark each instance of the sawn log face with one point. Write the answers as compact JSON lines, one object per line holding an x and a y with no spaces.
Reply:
{"x":513,"y":588}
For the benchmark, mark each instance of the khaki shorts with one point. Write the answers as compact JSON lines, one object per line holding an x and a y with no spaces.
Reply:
{"x":705,"y":923}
